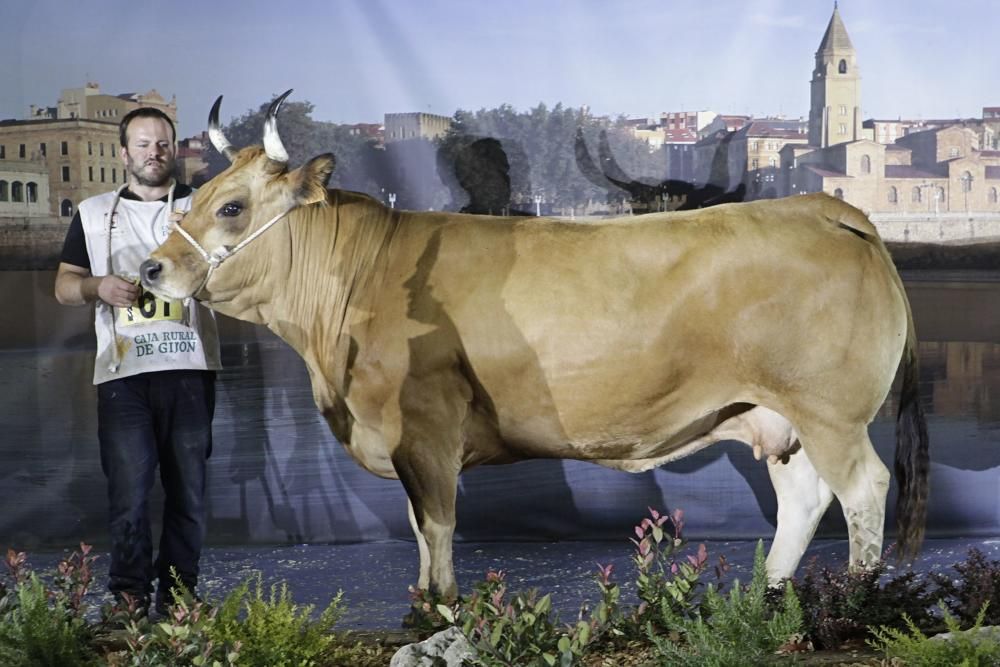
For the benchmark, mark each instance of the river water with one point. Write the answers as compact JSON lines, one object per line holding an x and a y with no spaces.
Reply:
{"x":279,"y":477}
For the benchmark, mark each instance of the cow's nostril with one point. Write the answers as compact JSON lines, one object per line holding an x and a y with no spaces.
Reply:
{"x":149,"y":271}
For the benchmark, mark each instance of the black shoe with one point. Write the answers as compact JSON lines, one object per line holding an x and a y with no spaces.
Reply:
{"x":126,"y":609}
{"x":133,"y":604}
{"x":163,"y":602}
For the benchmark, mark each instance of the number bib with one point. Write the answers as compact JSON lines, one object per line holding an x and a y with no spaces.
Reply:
{"x":148,"y":308}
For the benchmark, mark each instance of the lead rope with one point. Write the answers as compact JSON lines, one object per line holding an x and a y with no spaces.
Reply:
{"x":116,"y":360}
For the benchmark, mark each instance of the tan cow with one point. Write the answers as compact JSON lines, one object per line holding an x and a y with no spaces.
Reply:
{"x":436,"y":341}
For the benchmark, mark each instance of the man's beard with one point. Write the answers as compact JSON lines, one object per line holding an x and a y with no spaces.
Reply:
{"x":156,"y":181}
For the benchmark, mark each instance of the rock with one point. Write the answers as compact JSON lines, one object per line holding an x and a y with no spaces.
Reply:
{"x":989,"y":633}
{"x":448,"y":648}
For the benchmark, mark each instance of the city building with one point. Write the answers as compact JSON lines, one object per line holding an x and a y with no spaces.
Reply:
{"x":893,"y":170}
{"x":191,"y":166}
{"x":24,"y":189}
{"x":679,"y":145}
{"x":724,"y":122}
{"x":750,"y":154}
{"x":991,"y":119}
{"x":75,"y":144}
{"x":79,"y":156}
{"x":415,"y":125}
{"x":373,"y":131}
{"x":676,"y":132}
{"x":686,"y":120}
{"x":835,"y":89}
{"x":90,"y":102}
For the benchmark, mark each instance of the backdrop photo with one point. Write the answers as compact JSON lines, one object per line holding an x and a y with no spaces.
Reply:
{"x":578,"y":110}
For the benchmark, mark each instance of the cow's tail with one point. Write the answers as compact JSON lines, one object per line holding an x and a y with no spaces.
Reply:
{"x":912,"y":464}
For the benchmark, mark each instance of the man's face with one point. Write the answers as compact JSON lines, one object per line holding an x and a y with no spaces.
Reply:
{"x":149,"y":155}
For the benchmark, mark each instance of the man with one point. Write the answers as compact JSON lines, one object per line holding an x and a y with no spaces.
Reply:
{"x":155,"y":366}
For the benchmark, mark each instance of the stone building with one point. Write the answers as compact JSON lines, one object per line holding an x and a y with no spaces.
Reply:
{"x":191,"y":166}
{"x":835,"y":89}
{"x":89,"y":102}
{"x":79,"y":156}
{"x":679,"y":145}
{"x":749,"y":154}
{"x":415,"y":125}
{"x":75,"y":143}
{"x":24,"y":189}
{"x":991,"y":119}
{"x":897,"y":171}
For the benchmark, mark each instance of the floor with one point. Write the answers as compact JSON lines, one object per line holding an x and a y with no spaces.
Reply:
{"x":374,"y":576}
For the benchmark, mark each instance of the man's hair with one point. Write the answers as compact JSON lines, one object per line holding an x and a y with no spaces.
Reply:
{"x":143,"y":112}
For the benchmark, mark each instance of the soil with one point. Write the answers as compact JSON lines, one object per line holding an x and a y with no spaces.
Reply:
{"x":641,"y":655}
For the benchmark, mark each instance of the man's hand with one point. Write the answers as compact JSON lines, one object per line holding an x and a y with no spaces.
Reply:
{"x":175,"y":219}
{"x":116,"y":291}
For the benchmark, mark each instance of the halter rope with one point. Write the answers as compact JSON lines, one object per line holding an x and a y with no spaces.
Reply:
{"x":222,"y":253}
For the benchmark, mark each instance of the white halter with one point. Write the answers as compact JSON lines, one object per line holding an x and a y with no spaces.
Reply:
{"x":222,"y":253}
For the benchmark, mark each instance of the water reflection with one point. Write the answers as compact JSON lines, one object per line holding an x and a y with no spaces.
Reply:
{"x":278,"y":476}
{"x":962,"y":378}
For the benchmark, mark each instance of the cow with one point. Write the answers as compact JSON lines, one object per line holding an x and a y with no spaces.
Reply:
{"x":440,"y":341}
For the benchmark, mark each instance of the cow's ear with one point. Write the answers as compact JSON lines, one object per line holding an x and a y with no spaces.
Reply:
{"x":309,"y":181}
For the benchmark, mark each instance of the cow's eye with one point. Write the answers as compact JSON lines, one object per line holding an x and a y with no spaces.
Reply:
{"x":231,"y":209}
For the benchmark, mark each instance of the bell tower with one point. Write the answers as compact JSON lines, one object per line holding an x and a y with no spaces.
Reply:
{"x":835,"y":108}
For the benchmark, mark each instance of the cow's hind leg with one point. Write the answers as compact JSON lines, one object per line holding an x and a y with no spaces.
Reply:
{"x":846,"y":460}
{"x":802,"y":500}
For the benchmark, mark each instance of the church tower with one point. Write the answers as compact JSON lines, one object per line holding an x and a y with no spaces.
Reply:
{"x":835,"y":109}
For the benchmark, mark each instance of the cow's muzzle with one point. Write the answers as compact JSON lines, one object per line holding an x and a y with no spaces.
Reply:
{"x":149,"y":272}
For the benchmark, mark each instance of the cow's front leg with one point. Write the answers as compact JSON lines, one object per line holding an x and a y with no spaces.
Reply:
{"x":424,"y":581}
{"x":431,"y":483}
{"x":428,"y":459}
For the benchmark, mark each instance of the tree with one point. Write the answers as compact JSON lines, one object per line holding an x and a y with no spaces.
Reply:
{"x":520,"y":155}
{"x":305,"y":138}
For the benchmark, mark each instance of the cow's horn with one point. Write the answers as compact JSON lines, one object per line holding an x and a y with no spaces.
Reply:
{"x":215,"y":132}
{"x":272,"y":142}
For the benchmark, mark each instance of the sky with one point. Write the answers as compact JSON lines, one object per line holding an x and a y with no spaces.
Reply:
{"x":356,"y":60}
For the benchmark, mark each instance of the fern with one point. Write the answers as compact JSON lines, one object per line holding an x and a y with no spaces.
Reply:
{"x":274,"y":630}
{"x":730,"y":631}
{"x":35,"y":633}
{"x":970,"y":648}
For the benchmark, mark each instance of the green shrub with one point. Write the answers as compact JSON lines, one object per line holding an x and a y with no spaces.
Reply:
{"x":729,"y":631}
{"x":271,"y":629}
{"x":183,"y":639}
{"x":661,"y":579}
{"x":38,"y":632}
{"x":664,"y":580}
{"x":970,"y":648}
{"x":42,"y":626}
{"x":520,"y":630}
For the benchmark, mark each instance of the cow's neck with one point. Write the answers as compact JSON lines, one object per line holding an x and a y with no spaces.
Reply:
{"x":333,"y":267}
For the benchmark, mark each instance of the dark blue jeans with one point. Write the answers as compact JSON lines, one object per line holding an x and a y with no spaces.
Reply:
{"x":161,"y":419}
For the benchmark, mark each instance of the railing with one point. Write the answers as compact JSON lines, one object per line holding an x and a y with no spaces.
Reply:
{"x":937,"y":228}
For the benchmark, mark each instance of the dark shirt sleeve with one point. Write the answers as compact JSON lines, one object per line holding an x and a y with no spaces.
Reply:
{"x":75,"y":246}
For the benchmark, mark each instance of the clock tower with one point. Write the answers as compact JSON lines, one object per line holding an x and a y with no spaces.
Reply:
{"x":835,"y":109}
